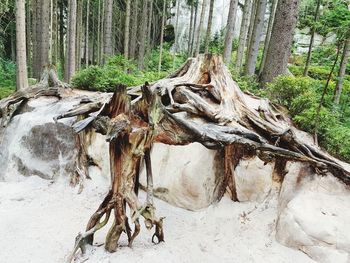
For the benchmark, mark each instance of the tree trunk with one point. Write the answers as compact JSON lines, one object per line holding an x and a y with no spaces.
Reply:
{"x":281,"y":40}
{"x":134,"y":30}
{"x":176,"y":31}
{"x":243,"y":34}
{"x":127,"y":30}
{"x":29,"y":32}
{"x":194,"y":26}
{"x":44,"y":34}
{"x":35,"y":56}
{"x":342,"y":69}
{"x":143,"y":35}
{"x":200,"y":27}
{"x":189,"y":48}
{"x":98,"y":48}
{"x":54,"y":52}
{"x":61,"y":37}
{"x":313,"y":29}
{"x":107,"y":39}
{"x":210,"y":22}
{"x":268,"y":34}
{"x":253,"y":49}
{"x":251,"y":26}
{"x":230,"y":27}
{"x":87,"y":31}
{"x":21,"y":55}
{"x":71,"y":37}
{"x":79,"y":34}
{"x":149,"y":28}
{"x":320,"y":104}
{"x":161,"y":37}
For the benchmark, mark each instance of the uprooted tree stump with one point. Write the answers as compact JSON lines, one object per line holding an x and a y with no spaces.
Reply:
{"x":198,"y":103}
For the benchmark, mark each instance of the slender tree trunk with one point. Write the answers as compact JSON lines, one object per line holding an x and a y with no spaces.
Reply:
{"x":176,"y":31}
{"x":268,"y":33}
{"x":28,"y":37}
{"x":256,"y":37}
{"x":190,"y":32}
{"x":143,"y":35}
{"x":127,"y":30}
{"x":34,"y":39}
{"x":134,"y":29}
{"x":79,"y":34}
{"x":149,"y":27}
{"x":230,"y":27}
{"x":61,"y":37}
{"x":161,"y":37}
{"x":21,"y":59}
{"x":210,"y":22}
{"x":341,"y":74}
{"x":281,"y":40}
{"x":71,"y":39}
{"x":243,"y":34}
{"x":44,"y":34}
{"x":194,"y":26}
{"x":87,"y":33}
{"x":99,"y":33}
{"x":54,"y":53}
{"x":107,"y":39}
{"x":317,"y":117}
{"x":251,"y":26}
{"x":200,"y":27}
{"x":313,"y":29}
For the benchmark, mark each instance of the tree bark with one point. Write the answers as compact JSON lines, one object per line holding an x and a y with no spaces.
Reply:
{"x":344,"y":61}
{"x":281,"y":40}
{"x":194,"y":26}
{"x":149,"y":28}
{"x":243,"y":34}
{"x":87,"y":31}
{"x":61,"y":36}
{"x":161,"y":37}
{"x":134,"y":30}
{"x":79,"y":35}
{"x":200,"y":27}
{"x":189,"y":47}
{"x":210,"y":22}
{"x":71,"y":40}
{"x":127,"y":30}
{"x":143,"y":35}
{"x":107,"y":39}
{"x":253,"y":49}
{"x":21,"y":55}
{"x":268,"y":34}
{"x":230,"y":27}
{"x":313,"y":29}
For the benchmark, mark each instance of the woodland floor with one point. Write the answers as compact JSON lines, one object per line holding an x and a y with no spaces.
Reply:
{"x":39,"y":221}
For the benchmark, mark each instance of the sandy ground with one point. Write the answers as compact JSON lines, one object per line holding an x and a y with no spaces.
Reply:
{"x":40,"y":219}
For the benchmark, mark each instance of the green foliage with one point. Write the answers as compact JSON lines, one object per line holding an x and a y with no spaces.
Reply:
{"x":301,"y":96}
{"x":119,"y":70}
{"x":7,"y":78}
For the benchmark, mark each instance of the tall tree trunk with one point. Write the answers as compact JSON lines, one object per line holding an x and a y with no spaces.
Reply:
{"x":44,"y":34}
{"x":251,"y":26}
{"x":341,"y":74}
{"x":230,"y":27}
{"x":149,"y":27}
{"x":61,"y":37}
{"x":281,"y":40}
{"x":99,"y":33}
{"x":34,"y":4}
{"x":143,"y":34}
{"x":107,"y":39}
{"x":200,"y":27}
{"x":161,"y":37}
{"x":127,"y":30}
{"x":79,"y":34}
{"x":210,"y":22}
{"x":313,"y":29}
{"x":54,"y":33}
{"x":194,"y":30}
{"x":268,"y":33}
{"x":71,"y":37}
{"x":134,"y":29}
{"x":28,"y":37}
{"x":21,"y":56}
{"x":243,"y":34}
{"x":176,"y":31}
{"x":190,"y":32}
{"x":252,"y":54}
{"x":87,"y":33}
{"x":317,"y":117}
